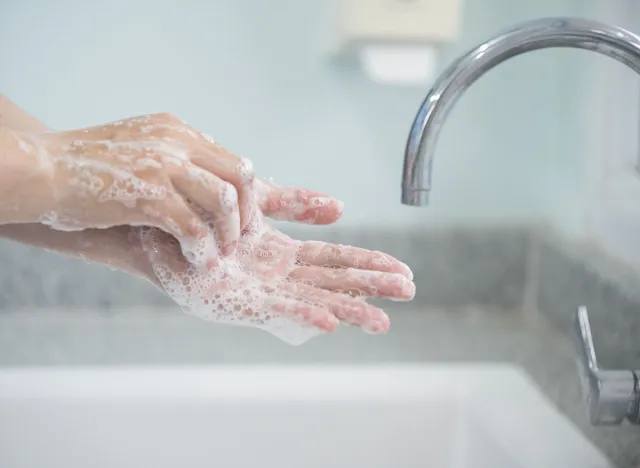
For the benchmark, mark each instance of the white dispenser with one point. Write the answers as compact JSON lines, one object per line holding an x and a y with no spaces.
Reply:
{"x":395,"y":41}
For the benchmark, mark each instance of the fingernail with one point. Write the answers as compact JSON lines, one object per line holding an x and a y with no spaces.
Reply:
{"x":407,"y":270}
{"x":406,"y":293}
{"x":373,"y":328}
{"x":399,"y":287}
{"x":319,"y":202}
{"x":409,"y":290}
{"x":376,"y":328}
{"x":245,"y":171}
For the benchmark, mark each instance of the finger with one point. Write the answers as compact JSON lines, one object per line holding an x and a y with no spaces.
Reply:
{"x":217,"y":198}
{"x":264,"y":308}
{"x":351,"y":310}
{"x":357,"y":282}
{"x":175,"y":217}
{"x":230,"y":168}
{"x":334,"y":255}
{"x":163,"y":252}
{"x":297,"y":310}
{"x":297,"y":204}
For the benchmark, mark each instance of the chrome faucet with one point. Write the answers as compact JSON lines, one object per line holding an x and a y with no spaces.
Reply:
{"x":611,"y":396}
{"x":612,"y":41}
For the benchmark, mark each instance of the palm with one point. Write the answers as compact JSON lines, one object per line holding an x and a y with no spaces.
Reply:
{"x":289,"y":288}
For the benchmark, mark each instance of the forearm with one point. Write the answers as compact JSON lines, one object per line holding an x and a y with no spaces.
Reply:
{"x":25,"y":179}
{"x":112,"y":247}
{"x":15,"y":118}
{"x":19,"y":171}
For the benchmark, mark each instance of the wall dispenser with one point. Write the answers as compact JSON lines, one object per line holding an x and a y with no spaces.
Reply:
{"x":396,"y":42}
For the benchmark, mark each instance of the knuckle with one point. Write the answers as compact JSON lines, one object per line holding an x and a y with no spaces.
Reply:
{"x":228,"y":197}
{"x":164,"y":132}
{"x":189,"y":224}
{"x":229,"y":190}
{"x":166,"y":117}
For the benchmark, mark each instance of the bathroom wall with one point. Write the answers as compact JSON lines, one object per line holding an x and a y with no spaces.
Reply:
{"x":613,"y":151}
{"x":252,"y":73}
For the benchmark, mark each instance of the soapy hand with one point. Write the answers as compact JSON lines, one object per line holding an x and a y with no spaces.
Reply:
{"x":151,"y":170}
{"x":295,"y":290}
{"x":291,"y":288}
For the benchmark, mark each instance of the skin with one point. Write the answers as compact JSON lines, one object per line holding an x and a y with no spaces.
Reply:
{"x":317,"y":284}
{"x":152,"y":170}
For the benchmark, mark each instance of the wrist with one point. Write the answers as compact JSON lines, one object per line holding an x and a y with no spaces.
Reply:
{"x":116,"y":247}
{"x":25,"y":180}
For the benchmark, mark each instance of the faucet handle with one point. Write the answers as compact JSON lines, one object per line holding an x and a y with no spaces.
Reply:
{"x":611,"y":395}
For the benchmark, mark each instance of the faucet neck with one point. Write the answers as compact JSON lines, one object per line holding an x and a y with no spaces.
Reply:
{"x":579,"y":33}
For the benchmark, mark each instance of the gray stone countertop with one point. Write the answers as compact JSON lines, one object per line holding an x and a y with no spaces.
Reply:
{"x":145,"y":337}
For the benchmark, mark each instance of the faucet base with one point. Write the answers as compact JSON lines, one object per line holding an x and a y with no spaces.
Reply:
{"x":611,"y":396}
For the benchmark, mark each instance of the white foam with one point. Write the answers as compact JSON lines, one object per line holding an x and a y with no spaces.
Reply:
{"x":245,"y":288}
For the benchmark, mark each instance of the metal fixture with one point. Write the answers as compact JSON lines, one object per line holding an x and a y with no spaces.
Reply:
{"x":611,"y":41}
{"x":612,"y":396}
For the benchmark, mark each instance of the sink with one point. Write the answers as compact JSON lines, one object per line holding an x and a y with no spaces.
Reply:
{"x":400,"y":416}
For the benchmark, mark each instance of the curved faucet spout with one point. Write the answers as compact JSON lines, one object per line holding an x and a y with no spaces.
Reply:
{"x":543,"y":33}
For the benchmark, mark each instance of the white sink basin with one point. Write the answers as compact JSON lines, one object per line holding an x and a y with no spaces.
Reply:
{"x":450,"y":416}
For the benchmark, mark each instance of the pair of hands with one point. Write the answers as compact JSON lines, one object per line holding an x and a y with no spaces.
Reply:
{"x":191,"y":198}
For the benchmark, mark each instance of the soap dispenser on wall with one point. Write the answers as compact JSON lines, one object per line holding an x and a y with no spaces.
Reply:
{"x":395,"y":41}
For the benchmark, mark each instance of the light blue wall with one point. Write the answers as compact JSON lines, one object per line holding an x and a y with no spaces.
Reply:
{"x":251,"y":73}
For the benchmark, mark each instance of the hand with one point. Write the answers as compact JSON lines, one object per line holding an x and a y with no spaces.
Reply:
{"x":292,"y":289}
{"x":152,"y":170}
{"x":121,"y":248}
{"x":118,"y":249}
{"x":302,"y":286}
